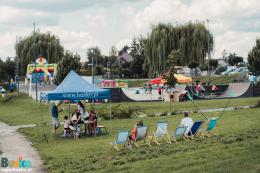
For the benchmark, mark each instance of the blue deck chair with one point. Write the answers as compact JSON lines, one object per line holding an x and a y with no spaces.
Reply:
{"x":121,"y":139}
{"x":161,"y":133}
{"x":141,"y":133}
{"x":210,"y":128}
{"x":179,"y":133}
{"x":194,"y":129}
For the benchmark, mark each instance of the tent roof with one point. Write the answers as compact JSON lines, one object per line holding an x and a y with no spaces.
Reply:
{"x":74,"y":87}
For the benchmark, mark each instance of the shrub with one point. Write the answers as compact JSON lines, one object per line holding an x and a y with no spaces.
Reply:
{"x":164,"y":114}
{"x":257,"y":105}
{"x":122,"y":111}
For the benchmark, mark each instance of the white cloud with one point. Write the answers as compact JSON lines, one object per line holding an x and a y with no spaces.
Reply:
{"x":234,"y":23}
{"x":74,"y":41}
{"x":228,"y":20}
{"x":235,"y":42}
{"x":122,"y":43}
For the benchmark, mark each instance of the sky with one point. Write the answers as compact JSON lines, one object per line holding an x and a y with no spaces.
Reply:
{"x":81,"y":24}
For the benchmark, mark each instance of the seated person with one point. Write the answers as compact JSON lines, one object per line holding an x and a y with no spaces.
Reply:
{"x":92,"y":122}
{"x":186,"y":122}
{"x":132,"y":137}
{"x":67,"y":123}
{"x":76,"y":118}
{"x":76,"y":121}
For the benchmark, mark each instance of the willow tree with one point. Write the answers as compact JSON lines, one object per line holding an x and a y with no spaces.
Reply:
{"x":191,"y":39}
{"x":36,"y":45}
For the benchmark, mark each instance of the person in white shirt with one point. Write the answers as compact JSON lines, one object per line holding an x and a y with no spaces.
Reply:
{"x":186,"y":122}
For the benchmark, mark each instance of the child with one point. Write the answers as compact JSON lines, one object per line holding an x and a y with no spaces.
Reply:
{"x":66,"y":125}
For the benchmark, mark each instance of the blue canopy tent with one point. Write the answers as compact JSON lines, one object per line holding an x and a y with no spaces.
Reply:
{"x":74,"y":87}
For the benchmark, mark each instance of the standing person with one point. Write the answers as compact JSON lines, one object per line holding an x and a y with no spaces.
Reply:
{"x":186,"y":122}
{"x":81,"y":108}
{"x":197,"y":88}
{"x":145,"y":88}
{"x":92,"y":118}
{"x":55,"y":116}
{"x":214,"y":89}
{"x":11,"y":86}
{"x":160,"y":92}
{"x":150,"y":88}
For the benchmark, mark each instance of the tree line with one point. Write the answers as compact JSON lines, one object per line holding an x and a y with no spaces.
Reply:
{"x":166,"y":45}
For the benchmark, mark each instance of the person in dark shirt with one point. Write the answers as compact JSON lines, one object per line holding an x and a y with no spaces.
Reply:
{"x":55,"y":116}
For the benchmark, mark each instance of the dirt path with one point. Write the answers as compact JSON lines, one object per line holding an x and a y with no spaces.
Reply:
{"x":14,"y":144}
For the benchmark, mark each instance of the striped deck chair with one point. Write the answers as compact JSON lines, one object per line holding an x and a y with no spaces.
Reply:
{"x":179,"y":133}
{"x":211,"y":128}
{"x":121,"y":139}
{"x":141,"y":133}
{"x":194,"y":129}
{"x":161,"y":133}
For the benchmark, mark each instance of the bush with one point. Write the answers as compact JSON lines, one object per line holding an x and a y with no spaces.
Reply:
{"x":118,"y":111}
{"x":164,"y":114}
{"x":257,"y":105}
{"x":122,"y":111}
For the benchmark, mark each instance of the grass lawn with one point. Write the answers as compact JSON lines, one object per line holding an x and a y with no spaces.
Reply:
{"x":236,"y":149}
{"x":23,"y":110}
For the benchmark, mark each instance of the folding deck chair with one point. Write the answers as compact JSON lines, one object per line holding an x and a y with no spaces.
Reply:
{"x":179,"y":133}
{"x":161,"y":133}
{"x":210,"y":128}
{"x":121,"y":139}
{"x":141,"y":133}
{"x":194,"y":129}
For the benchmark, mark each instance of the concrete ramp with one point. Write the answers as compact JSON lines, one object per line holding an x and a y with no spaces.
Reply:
{"x":236,"y":90}
{"x":142,"y":96}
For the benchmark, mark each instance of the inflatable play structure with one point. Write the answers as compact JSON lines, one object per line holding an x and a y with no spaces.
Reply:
{"x":43,"y":72}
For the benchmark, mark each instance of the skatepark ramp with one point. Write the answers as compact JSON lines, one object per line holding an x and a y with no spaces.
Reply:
{"x":236,"y":90}
{"x":130,"y":95}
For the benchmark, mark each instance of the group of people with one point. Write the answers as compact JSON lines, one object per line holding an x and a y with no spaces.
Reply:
{"x":200,"y":89}
{"x":73,"y":123}
{"x":148,"y":88}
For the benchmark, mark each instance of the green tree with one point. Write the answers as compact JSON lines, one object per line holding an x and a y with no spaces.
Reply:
{"x":174,"y":58}
{"x":137,"y":52}
{"x":191,"y":39}
{"x":95,"y":54}
{"x":193,"y":65}
{"x":38,"y":44}
{"x":7,"y":69}
{"x":213,"y":63}
{"x":233,"y":59}
{"x":254,"y":59}
{"x":69,"y":62}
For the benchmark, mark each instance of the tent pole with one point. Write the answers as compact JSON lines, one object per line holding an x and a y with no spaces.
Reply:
{"x":69,"y":107}
{"x":51,"y":122}
{"x":110,"y":116}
